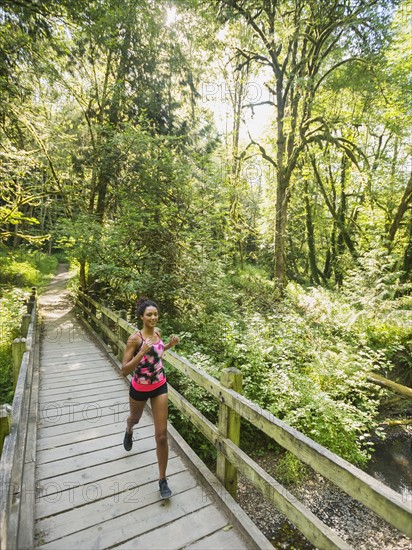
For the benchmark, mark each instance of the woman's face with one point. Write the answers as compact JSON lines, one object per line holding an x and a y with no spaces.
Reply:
{"x":150,"y":316}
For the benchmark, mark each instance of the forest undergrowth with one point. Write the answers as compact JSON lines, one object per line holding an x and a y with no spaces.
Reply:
{"x":19,"y":272}
{"x":304,"y":357}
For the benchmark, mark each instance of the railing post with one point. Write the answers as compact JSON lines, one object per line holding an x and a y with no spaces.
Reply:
{"x":18,"y":348}
{"x":80,"y":299}
{"x":32,"y":299}
{"x":5,"y":423}
{"x":229,"y":427}
{"x":25,"y":322}
{"x":93,"y":311}
{"x":105,"y":320}
{"x":121,"y":333}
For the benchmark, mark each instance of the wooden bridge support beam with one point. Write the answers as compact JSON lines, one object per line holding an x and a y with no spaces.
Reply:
{"x":229,"y":427}
{"x":92,"y":321}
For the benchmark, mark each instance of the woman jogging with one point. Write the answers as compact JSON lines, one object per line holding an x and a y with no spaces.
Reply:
{"x":143,"y":356}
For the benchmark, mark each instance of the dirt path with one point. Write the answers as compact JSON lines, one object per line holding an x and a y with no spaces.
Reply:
{"x":56,"y":299}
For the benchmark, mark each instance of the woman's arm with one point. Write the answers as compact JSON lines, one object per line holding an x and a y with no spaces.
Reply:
{"x":130,"y":360}
{"x":172,"y":342}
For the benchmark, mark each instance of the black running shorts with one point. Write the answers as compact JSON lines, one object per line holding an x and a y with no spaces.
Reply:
{"x":145,"y":395}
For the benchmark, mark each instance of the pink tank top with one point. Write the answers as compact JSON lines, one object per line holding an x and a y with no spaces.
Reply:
{"x":150,"y":374}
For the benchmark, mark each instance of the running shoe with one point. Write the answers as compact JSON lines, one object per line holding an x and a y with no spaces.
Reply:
{"x":165,"y":492}
{"x":128,"y":441}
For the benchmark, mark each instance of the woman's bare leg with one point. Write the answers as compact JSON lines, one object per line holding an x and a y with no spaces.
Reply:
{"x":136,"y":411}
{"x":159,"y":411}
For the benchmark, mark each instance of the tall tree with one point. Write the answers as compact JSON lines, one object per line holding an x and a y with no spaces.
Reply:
{"x":303,"y":42}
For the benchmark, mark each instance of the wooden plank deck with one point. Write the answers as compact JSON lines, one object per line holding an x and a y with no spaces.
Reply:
{"x":90,"y":492}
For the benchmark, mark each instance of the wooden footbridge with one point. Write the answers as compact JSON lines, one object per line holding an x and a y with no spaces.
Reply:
{"x":67,"y":482}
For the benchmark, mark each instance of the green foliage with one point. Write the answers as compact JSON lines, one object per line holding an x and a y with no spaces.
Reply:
{"x":304,"y":358}
{"x":290,"y":469}
{"x":11,"y":309}
{"x":382,"y":320}
{"x":79,"y":237}
{"x":25,"y":268}
{"x":19,"y":270}
{"x":18,"y":273}
{"x":15,"y":217}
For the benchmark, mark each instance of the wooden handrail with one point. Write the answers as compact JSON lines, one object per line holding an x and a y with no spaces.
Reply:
{"x":361,"y":486}
{"x":17,"y":461}
{"x":375,"y":495}
{"x":312,"y":527}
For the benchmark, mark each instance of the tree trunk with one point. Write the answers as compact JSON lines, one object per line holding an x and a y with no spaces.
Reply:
{"x":282,"y":191}
{"x":407,"y":257}
{"x":343,"y":236}
{"x":339,"y":215}
{"x":105,"y":171}
{"x":282,"y":199}
{"x":82,"y":275}
{"x":402,"y":208}
{"x":330,"y":260}
{"x":310,"y":233}
{"x":236,"y":165}
{"x":109,"y":165}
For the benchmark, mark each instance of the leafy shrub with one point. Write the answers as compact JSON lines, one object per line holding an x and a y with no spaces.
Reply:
{"x":20,"y":274}
{"x":289,"y":468}
{"x":11,"y":308}
{"x":304,"y":359}
{"x":26,"y":269}
{"x":19,"y":270}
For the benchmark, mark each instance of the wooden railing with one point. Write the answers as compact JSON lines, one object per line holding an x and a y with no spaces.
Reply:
{"x":373,"y":494}
{"x":17,"y":491}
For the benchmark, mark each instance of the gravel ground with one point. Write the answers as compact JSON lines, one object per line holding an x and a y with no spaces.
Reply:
{"x":352,"y":521}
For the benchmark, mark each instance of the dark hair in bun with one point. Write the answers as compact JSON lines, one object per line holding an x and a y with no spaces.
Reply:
{"x":141,"y":305}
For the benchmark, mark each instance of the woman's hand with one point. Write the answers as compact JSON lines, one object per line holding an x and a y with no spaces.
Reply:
{"x":146,"y":346}
{"x":173,"y":340}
